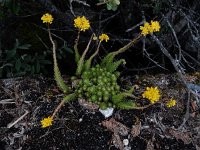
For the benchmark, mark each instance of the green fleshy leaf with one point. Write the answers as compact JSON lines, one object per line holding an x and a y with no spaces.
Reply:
{"x":126,"y":105}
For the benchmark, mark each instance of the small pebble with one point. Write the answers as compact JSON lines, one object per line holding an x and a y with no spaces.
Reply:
{"x":125,"y":142}
{"x":151,"y":120}
{"x":81,"y":119}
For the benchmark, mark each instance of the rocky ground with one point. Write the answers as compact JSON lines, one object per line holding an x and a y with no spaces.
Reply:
{"x":25,"y":101}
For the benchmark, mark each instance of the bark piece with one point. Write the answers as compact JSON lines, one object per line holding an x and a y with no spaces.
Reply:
{"x":116,"y":140}
{"x":135,"y":130}
{"x":116,"y":127}
{"x":184,"y":136}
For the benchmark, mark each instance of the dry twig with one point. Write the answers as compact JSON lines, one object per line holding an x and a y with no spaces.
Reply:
{"x":19,"y":119}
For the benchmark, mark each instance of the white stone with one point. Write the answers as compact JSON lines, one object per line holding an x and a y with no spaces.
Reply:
{"x":125,"y":142}
{"x":81,"y":119}
{"x":107,"y":112}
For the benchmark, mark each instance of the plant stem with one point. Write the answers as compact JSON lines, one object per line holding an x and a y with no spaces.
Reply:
{"x":135,"y":97}
{"x":58,"y":108}
{"x":89,"y":61}
{"x":127,"y":46}
{"x":77,"y":55}
{"x":81,"y":61}
{"x":96,"y":52}
{"x":57,"y":75}
{"x":54,"y":47}
{"x":65,"y":99}
{"x":143,"y":107}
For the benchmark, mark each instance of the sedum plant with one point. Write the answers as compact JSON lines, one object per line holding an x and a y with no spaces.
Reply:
{"x":97,"y":83}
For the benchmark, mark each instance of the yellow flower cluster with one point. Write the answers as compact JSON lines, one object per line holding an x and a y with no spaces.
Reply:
{"x":46,"y":122}
{"x":152,"y":94}
{"x":149,"y":28}
{"x":103,"y":37}
{"x":47,"y":18}
{"x":81,"y":23}
{"x":171,"y":103}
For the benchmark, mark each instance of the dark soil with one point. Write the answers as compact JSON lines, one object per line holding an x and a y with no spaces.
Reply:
{"x":77,"y":128}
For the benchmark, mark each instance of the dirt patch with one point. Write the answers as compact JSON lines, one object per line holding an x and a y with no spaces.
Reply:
{"x":25,"y":101}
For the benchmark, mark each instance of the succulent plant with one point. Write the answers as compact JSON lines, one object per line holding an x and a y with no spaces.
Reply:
{"x":98,"y":86}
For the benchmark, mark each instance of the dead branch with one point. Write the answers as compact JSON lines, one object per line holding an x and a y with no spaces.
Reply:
{"x":19,"y":119}
{"x":186,"y":116}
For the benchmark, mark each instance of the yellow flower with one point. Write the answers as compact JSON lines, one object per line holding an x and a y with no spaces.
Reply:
{"x":81,"y":23}
{"x":152,"y":94}
{"x":171,"y":103}
{"x":46,"y":122}
{"x":155,"y":25}
{"x":145,"y":29}
{"x":103,"y":37}
{"x":150,"y":28}
{"x":47,"y":18}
